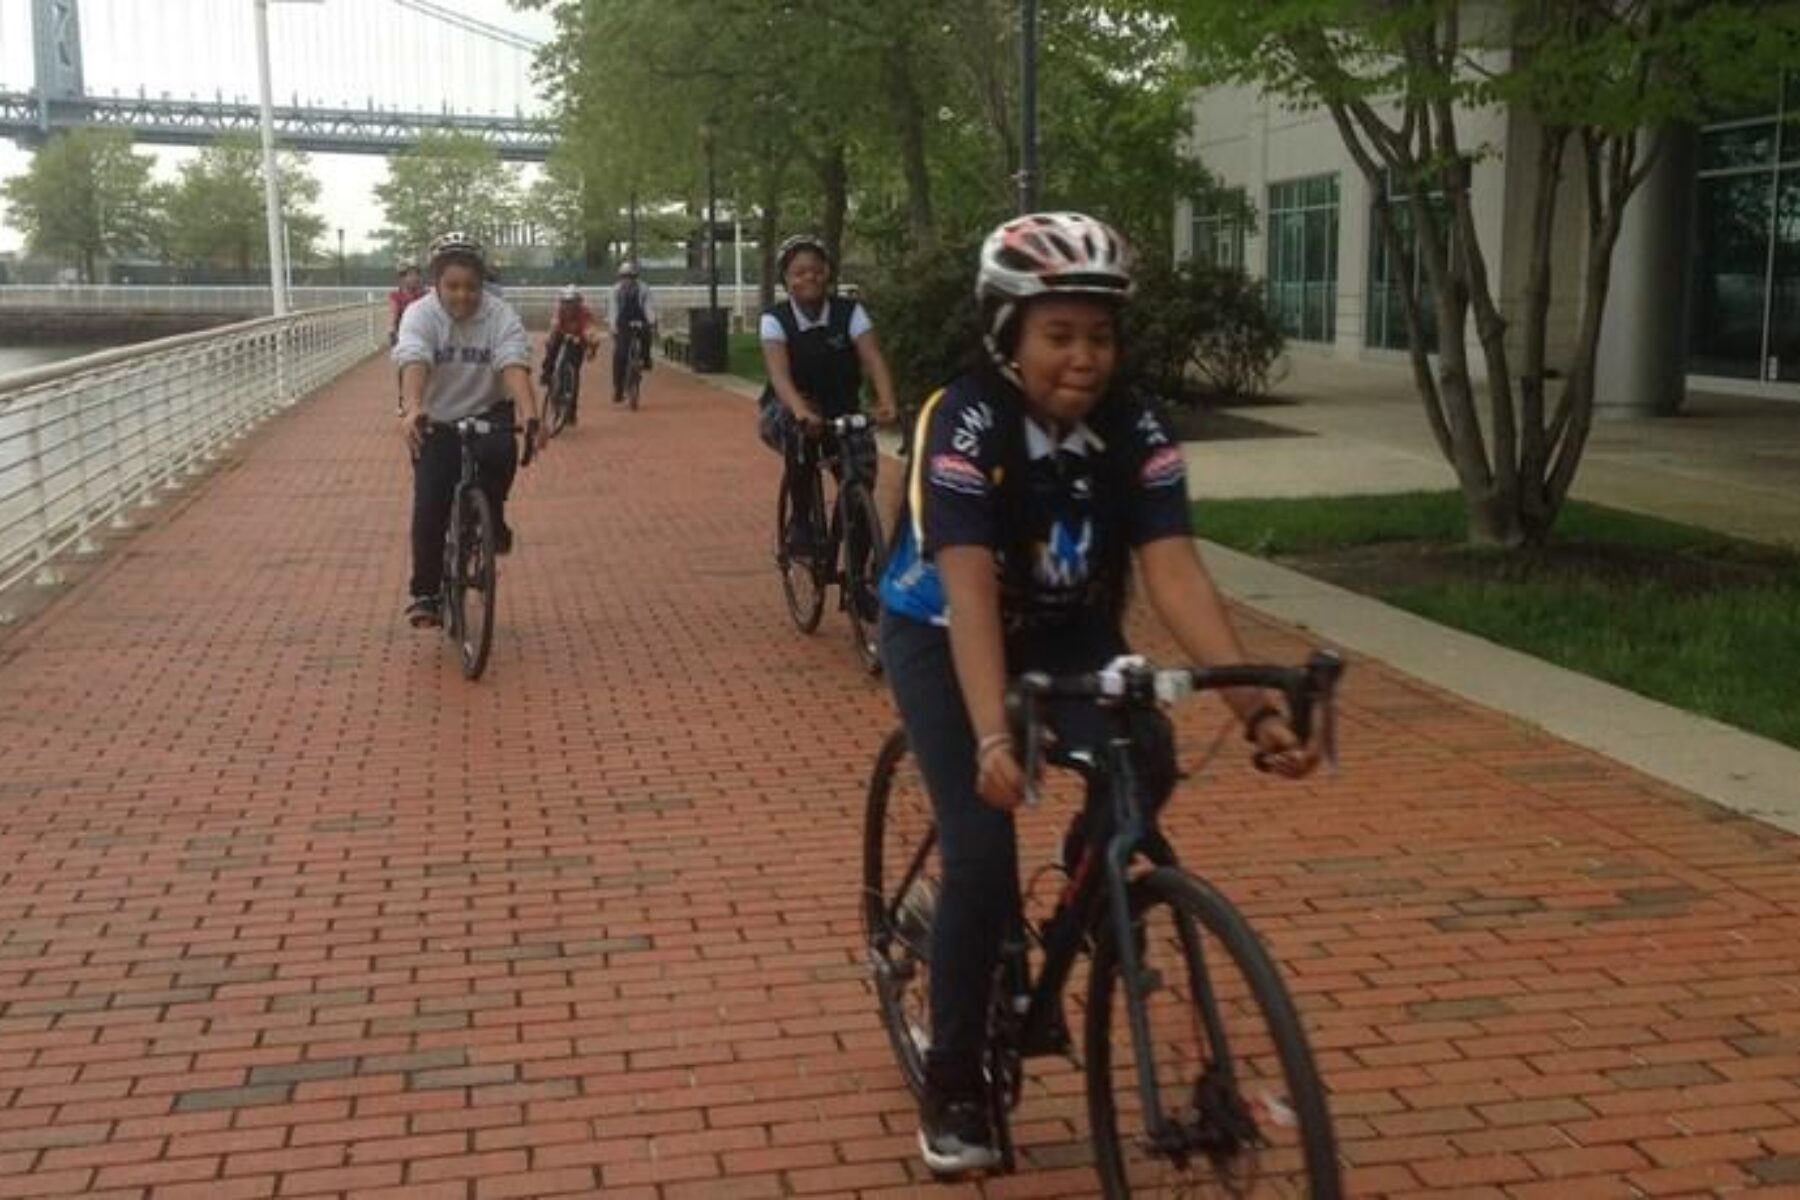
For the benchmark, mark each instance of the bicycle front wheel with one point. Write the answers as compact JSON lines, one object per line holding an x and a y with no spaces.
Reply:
{"x":1242,"y":1110}
{"x":802,"y":577}
{"x":475,"y":572}
{"x":865,"y":551}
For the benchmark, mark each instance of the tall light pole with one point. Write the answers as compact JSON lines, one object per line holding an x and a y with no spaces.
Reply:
{"x":271,"y":185}
{"x":1028,"y":136}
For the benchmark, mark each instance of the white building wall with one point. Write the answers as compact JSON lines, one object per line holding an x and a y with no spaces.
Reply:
{"x":1251,"y":141}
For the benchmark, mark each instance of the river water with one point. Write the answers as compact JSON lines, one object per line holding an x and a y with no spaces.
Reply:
{"x":20,"y":358}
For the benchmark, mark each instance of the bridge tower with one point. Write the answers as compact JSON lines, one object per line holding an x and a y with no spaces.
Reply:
{"x":56,"y":28}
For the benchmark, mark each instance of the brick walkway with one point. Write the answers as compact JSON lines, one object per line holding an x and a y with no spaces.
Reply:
{"x":288,"y":908}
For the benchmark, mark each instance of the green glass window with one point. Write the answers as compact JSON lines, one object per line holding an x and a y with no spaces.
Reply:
{"x":1303,"y":245}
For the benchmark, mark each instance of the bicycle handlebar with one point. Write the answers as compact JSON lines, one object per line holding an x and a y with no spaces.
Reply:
{"x":1309,"y":691}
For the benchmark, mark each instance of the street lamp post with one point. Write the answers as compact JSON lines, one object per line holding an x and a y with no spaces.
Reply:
{"x":1028,"y":136}
{"x":271,"y":186}
{"x":712,"y":221}
{"x":340,"y":256}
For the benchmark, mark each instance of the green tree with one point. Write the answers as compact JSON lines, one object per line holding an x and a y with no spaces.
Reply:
{"x":448,"y":181}
{"x":87,"y":196}
{"x":554,"y":204}
{"x":1594,"y":81}
{"x":214,"y":213}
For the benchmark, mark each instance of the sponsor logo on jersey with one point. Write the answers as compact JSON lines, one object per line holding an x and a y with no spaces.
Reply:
{"x":1164,"y":468}
{"x":957,"y":474}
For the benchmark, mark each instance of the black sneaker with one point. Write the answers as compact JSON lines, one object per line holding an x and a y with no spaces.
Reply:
{"x":422,"y":612}
{"x":618,"y":397}
{"x":955,"y":1135}
{"x":503,"y":540}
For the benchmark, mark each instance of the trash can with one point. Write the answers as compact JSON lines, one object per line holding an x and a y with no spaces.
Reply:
{"x":707,"y":348}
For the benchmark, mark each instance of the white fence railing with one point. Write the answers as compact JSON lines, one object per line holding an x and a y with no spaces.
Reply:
{"x":83,"y":440}
{"x":254,"y":301}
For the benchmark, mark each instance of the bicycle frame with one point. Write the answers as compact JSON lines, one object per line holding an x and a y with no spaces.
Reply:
{"x":1105,"y":891}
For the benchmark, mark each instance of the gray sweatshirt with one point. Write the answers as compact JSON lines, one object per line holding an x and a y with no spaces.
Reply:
{"x":465,"y":357}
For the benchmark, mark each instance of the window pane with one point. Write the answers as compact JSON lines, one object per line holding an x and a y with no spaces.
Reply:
{"x":1784,"y":311}
{"x":1731,"y":263}
{"x":1741,"y":146}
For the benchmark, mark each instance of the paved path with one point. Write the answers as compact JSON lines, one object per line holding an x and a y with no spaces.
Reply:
{"x":286,"y":908}
{"x":1727,"y":463}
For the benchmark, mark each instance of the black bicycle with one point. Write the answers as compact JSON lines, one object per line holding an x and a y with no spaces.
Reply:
{"x":637,"y":349}
{"x":1198,"y":1073}
{"x":471,"y":544}
{"x":849,"y":553}
{"x":560,"y":403}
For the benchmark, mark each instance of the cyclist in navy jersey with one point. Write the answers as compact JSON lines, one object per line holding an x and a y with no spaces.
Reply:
{"x":1036,"y":478}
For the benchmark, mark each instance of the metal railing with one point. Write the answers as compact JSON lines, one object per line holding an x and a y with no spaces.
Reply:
{"x":254,"y":301}
{"x":85,"y":439}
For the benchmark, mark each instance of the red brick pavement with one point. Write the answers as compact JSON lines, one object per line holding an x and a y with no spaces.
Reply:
{"x":288,"y":908}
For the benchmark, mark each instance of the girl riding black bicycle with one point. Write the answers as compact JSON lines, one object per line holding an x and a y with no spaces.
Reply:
{"x":817,"y":350}
{"x":1035,"y":476}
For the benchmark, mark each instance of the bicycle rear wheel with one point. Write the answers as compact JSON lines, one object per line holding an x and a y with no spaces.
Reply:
{"x":1243,"y":1110}
{"x":473,"y":607}
{"x":562,"y":391}
{"x":634,"y":375}
{"x":899,"y":902}
{"x":865,"y":552}
{"x":802,"y":579}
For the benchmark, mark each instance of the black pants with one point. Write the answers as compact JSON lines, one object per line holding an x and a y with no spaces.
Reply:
{"x":977,"y":844}
{"x":622,"y":344}
{"x":435,"y":473}
{"x":557,"y":345}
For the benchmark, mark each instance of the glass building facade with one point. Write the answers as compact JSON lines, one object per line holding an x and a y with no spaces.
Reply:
{"x":1303,"y":256}
{"x":1745,"y":315}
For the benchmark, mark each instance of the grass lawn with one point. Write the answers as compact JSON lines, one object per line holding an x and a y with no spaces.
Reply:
{"x":1689,"y":617}
{"x":745,"y":358}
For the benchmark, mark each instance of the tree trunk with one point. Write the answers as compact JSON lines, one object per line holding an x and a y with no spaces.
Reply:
{"x":1535,"y":511}
{"x":834,"y":183}
{"x":768,"y":234}
{"x":909,"y":117}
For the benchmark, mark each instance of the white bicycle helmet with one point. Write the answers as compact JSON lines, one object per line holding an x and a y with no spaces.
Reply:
{"x":570,"y":294}
{"x":457,"y":246}
{"x":628,"y":270}
{"x":1047,"y":254}
{"x":794,"y":245}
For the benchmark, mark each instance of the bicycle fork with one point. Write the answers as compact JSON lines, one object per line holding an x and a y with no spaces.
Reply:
{"x":1138,"y":978}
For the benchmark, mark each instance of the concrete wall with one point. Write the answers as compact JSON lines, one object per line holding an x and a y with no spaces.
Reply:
{"x":1251,"y":141}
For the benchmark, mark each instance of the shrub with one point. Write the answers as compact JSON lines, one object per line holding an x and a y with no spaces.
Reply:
{"x":1198,"y":333}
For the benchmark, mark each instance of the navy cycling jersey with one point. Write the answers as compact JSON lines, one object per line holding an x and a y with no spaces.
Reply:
{"x":952,"y":500}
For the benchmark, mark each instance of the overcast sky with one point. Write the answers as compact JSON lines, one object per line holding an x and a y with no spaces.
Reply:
{"x":338,"y":52}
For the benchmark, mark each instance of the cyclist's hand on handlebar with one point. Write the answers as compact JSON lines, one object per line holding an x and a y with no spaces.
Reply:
{"x":1000,"y":779}
{"x":1278,"y":750}
{"x":536,"y":438}
{"x":887,"y":416}
{"x":810,"y":421}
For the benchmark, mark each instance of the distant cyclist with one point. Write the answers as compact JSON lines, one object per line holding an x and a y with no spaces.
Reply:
{"x":817,"y":350}
{"x":409,"y":289}
{"x":462,"y":352}
{"x":573,"y":330}
{"x":631,"y":318}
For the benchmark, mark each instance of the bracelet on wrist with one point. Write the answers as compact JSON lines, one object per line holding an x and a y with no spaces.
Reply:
{"x":990,"y":743}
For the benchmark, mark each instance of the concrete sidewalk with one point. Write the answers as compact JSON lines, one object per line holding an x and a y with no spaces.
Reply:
{"x":1728,"y":464}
